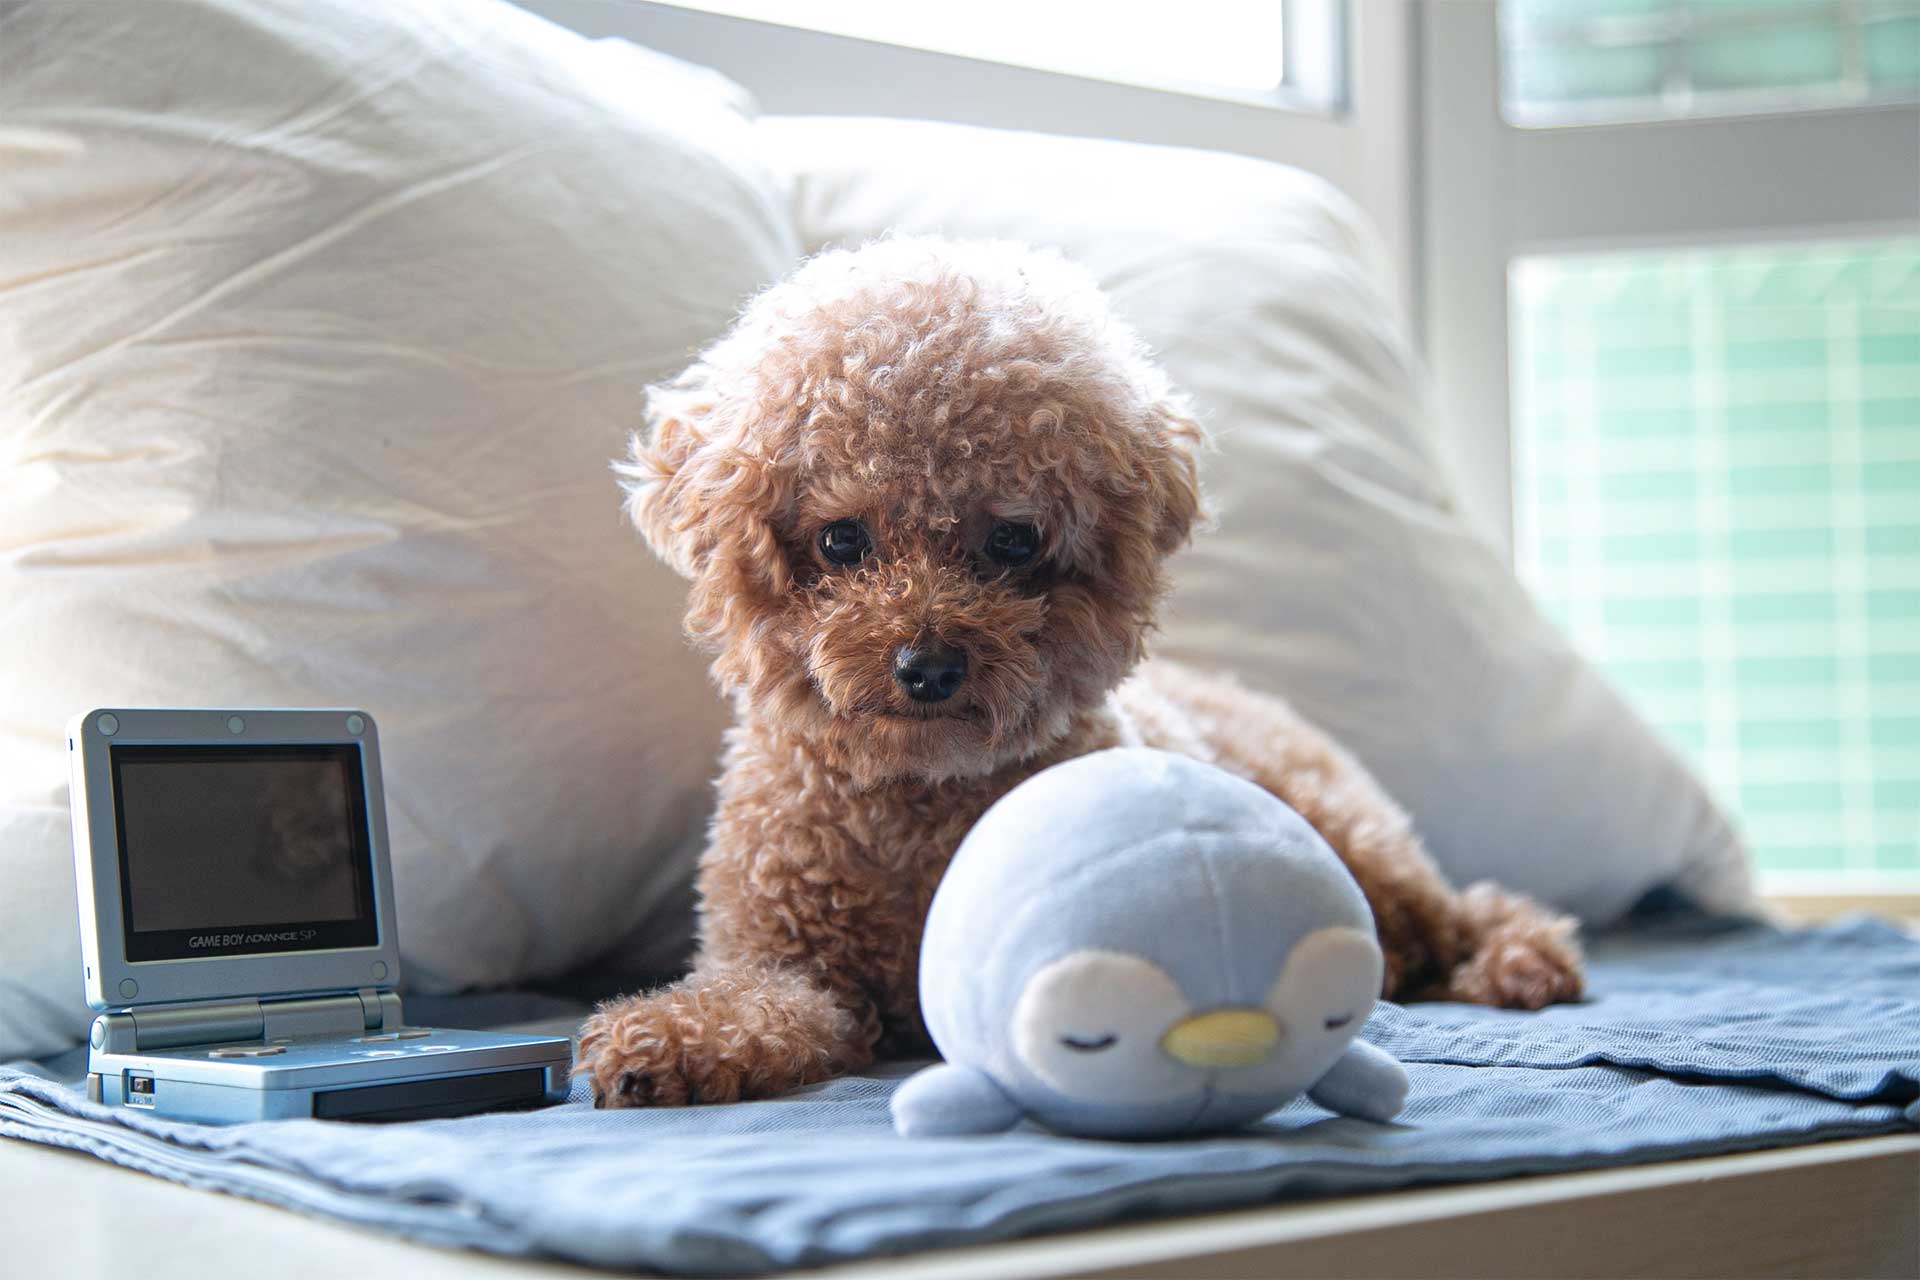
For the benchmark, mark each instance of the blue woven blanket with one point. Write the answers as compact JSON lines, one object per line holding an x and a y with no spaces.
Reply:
{"x":1698,"y":1039}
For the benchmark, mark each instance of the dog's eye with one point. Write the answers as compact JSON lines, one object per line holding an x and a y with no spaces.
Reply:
{"x":845,"y":542}
{"x":1012,"y":544}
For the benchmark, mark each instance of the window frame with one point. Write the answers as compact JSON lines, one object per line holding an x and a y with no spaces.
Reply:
{"x":1697,"y":180}
{"x":1350,"y":125}
{"x":1682,"y":99}
{"x":1795,"y":175}
{"x":1312,"y":54}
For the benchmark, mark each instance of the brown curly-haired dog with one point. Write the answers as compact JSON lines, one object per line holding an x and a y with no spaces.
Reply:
{"x":923,"y":491}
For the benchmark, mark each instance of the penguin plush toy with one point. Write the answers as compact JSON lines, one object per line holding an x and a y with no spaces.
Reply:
{"x":1135,"y":944}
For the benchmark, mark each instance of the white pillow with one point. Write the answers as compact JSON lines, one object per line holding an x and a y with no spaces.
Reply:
{"x":1341,"y":575}
{"x":321,"y":324}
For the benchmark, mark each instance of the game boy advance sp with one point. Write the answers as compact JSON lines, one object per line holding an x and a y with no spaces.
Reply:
{"x":237,"y":924}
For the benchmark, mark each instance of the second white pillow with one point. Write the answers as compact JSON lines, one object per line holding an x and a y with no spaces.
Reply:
{"x":1340,"y":576}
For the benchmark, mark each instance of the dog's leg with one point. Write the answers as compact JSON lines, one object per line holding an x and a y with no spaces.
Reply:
{"x":1483,"y":945}
{"x":1522,"y":955}
{"x":722,"y":1035}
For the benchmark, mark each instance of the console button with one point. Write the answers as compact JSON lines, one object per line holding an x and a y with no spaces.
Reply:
{"x":384,"y":1035}
{"x":413,"y":1033}
{"x":247,"y":1051}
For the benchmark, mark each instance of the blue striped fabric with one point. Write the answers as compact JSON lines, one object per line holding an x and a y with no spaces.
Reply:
{"x":1698,"y":1039}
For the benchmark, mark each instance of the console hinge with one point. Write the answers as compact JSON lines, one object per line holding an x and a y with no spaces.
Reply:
{"x":170,"y":1026}
{"x":227,"y":1021}
{"x":380,"y":1010}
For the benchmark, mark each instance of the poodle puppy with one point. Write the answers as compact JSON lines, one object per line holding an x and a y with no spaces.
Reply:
{"x":923,"y":491}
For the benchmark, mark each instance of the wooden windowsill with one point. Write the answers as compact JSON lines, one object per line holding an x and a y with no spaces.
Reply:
{"x":1815,"y":908}
{"x":1833,"y":1209}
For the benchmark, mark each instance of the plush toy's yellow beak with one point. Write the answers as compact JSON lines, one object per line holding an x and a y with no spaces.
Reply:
{"x":1223,"y":1038}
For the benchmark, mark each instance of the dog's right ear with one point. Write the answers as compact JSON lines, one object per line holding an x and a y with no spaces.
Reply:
{"x":706,"y":487}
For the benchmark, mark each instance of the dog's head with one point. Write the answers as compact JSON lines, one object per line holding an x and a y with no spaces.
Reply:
{"x":922,"y":490}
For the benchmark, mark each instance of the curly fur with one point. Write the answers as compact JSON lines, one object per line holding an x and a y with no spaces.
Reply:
{"x":929,"y":388}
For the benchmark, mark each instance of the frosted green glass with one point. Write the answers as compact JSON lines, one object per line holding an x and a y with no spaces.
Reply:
{"x":1652,"y":611}
{"x":1893,"y":52}
{"x":1717,"y":492}
{"x":1641,"y":59}
{"x":1802,"y":54}
{"x":1573,"y":74}
{"x":1820,"y":670}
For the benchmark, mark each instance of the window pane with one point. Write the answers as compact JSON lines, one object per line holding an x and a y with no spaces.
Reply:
{"x":1893,"y":53}
{"x":1233,"y":44}
{"x":1567,"y":61}
{"x":1717,"y":494}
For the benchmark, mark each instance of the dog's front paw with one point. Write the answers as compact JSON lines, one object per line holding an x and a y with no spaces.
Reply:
{"x":1523,"y":956}
{"x":719,"y":1037}
{"x":633,"y":1058}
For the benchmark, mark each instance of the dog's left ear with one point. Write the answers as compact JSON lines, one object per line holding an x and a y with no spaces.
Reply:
{"x":1175,"y":472}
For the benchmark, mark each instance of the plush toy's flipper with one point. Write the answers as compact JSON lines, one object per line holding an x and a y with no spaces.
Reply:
{"x":1367,"y":1082}
{"x":946,"y":1099}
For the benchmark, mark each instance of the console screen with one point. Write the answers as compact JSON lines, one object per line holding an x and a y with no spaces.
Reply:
{"x":236,"y":850}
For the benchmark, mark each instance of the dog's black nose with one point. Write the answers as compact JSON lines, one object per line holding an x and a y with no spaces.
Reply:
{"x":929,"y":672}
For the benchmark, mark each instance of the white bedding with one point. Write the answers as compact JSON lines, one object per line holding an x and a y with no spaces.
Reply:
{"x":318,"y":327}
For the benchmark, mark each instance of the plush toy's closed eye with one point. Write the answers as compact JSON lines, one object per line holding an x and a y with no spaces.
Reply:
{"x":1089,"y":1024}
{"x":1330,"y":977}
{"x":1090,"y":1045}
